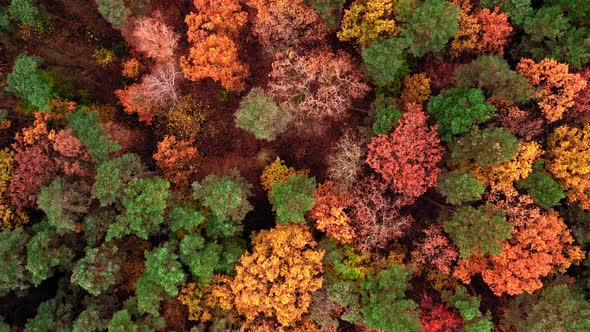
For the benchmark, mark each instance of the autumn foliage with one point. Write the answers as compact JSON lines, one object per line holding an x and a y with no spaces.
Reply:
{"x":178,"y":160}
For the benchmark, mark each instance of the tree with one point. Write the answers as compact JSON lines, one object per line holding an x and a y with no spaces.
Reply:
{"x":275,"y":172}
{"x":438,"y":317}
{"x":292,"y":271}
{"x":62,"y":203}
{"x":385,"y":61}
{"x":495,"y":30}
{"x":178,"y":160}
{"x":10,"y":215}
{"x":329,"y":214}
{"x":219,"y":17}
{"x":154,"y":38}
{"x":407,"y":157}
{"x":468,"y":306}
{"x":113,"y":176}
{"x":327,"y":84}
{"x":261,"y":116}
{"x":435,"y":250}
{"x":87,"y":128}
{"x":46,"y":253}
{"x":558,"y":87}
{"x":456,"y":110}
{"x":345,"y":161}
{"x":488,"y":147}
{"x":431,"y":25}
{"x":225,"y":196}
{"x":281,"y":25}
{"x":72,"y":157}
{"x":114,"y":11}
{"x":478,"y":230}
{"x":368,"y":21}
{"x":26,"y":82}
{"x":387,"y":116}
{"x":568,"y":160}
{"x":292,"y":198}
{"x":492,"y":74}
{"x":459,"y":187}
{"x":216,"y":57}
{"x":98,"y":270}
{"x":144,"y":202}
{"x":416,"y":89}
{"x":385,"y":306}
{"x":13,"y":275}
{"x":329,"y":10}
{"x":24,"y":11}
{"x":545,"y":191}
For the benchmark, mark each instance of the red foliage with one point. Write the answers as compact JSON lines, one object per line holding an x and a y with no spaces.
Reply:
{"x":495,"y":30}
{"x":434,"y":251}
{"x":127,"y":138}
{"x":580,"y":113}
{"x":441,"y":74}
{"x":407,"y":157}
{"x":329,"y":215}
{"x":178,"y":160}
{"x":72,"y":156}
{"x":438,"y":317}
{"x":34,"y":170}
{"x":375,"y":216}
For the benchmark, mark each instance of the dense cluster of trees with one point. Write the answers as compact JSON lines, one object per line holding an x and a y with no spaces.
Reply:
{"x":317,"y":165}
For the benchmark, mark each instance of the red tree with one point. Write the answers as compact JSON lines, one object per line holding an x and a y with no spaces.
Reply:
{"x":407,"y":157}
{"x":494,"y":32}
{"x":72,"y":156}
{"x":435,"y":251}
{"x":438,"y":317}
{"x":154,"y":38}
{"x":178,"y":160}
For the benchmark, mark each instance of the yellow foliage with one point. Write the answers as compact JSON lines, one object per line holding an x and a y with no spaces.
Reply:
{"x":416,"y":89}
{"x":205,"y":302}
{"x":569,"y":161}
{"x":10,"y":216}
{"x":466,"y":38}
{"x":279,"y":276}
{"x":276,"y":172}
{"x":501,"y":178}
{"x":367,"y":21}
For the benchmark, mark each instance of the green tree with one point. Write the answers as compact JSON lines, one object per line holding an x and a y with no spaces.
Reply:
{"x":468,"y":307}
{"x":517,"y":10}
{"x":87,"y":128}
{"x":385,"y":61}
{"x":431,"y":25}
{"x":50,"y":201}
{"x":488,"y":147}
{"x":225,"y":196}
{"x":459,"y":187}
{"x":185,"y":219}
{"x":260,"y":115}
{"x":52,"y":315}
{"x":493,"y":75}
{"x":114,"y":11}
{"x":112,"y":177}
{"x":330,"y":11}
{"x":456,"y":110}
{"x":90,"y":320}
{"x":144,"y":202}
{"x":385,"y":306}
{"x":13,"y":275}
{"x":292,"y":198}
{"x":121,"y":322}
{"x":45,"y":253}
{"x":24,"y":11}
{"x":25,"y":82}
{"x":98,"y":270}
{"x":545,"y":191}
{"x":387,"y":116}
{"x":478,"y":230}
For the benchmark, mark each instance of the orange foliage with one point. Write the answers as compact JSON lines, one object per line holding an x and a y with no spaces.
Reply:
{"x":558,"y":86}
{"x":279,"y":276}
{"x":213,"y":31}
{"x":416,"y":89}
{"x":466,"y":38}
{"x":502,"y":177}
{"x":569,"y":161}
{"x":495,"y":30}
{"x":277,"y":172}
{"x":10,"y":216}
{"x":205,"y":302}
{"x":131,"y":68}
{"x":178,"y":160}
{"x":541,"y":245}
{"x":329,"y":213}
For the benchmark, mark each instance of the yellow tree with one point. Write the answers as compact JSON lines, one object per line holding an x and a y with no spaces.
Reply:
{"x":279,"y":276}
{"x":367,"y":21}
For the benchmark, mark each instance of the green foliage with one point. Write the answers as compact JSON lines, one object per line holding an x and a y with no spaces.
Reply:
{"x":13,"y":275}
{"x":98,"y":270}
{"x":580,"y":223}
{"x":112,"y":176}
{"x":385,"y":61}
{"x":260,"y":115}
{"x":556,"y":307}
{"x":348,"y":295}
{"x":25,"y":82}
{"x":547,"y":22}
{"x":3,"y":326}
{"x":53,"y":315}
{"x":24,"y":11}
{"x":65,"y":85}
{"x":88,"y":129}
{"x":45,"y":252}
{"x":387,"y":116}
{"x":162,"y":275}
{"x":478,"y":230}
{"x":468,"y":307}
{"x":488,"y":147}
{"x":90,"y":320}
{"x":577,"y":10}
{"x":96,"y":224}
{"x":225,"y":196}
{"x":517,"y":10}
{"x":292,"y":198}
{"x":384,"y":304}
{"x":456,"y":110}
{"x":330,"y":10}
{"x":459,"y":187}
{"x":545,"y":191}
{"x":50,"y":201}
{"x":202,"y":258}
{"x":114,"y":11}
{"x":493,"y":75}
{"x":185,"y":219}
{"x":4,"y":22}
{"x":144,"y":201}
{"x":121,"y":322}
{"x":430,"y":27}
